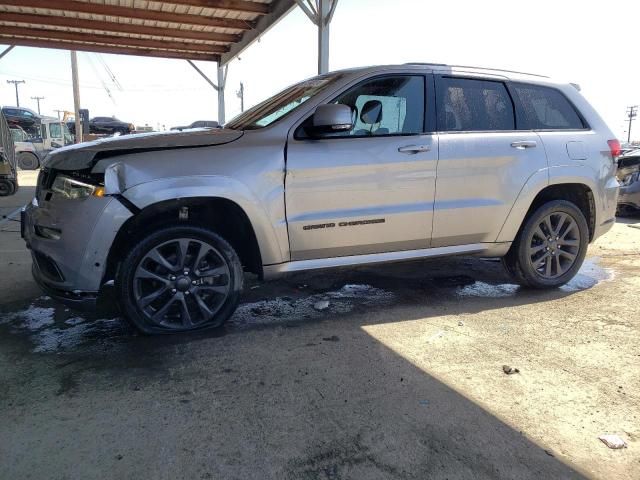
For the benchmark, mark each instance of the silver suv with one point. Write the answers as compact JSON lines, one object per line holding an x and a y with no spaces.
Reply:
{"x":355,"y":167}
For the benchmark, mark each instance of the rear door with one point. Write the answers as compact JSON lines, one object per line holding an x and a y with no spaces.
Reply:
{"x":483,"y":163}
{"x":369,"y":190}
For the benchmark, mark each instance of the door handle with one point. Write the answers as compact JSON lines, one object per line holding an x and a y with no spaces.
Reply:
{"x":524,"y":144}
{"x":412,"y":149}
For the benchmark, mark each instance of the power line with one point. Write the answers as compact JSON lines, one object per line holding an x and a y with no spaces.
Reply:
{"x":37,"y":99}
{"x":632,"y":113}
{"x":15,"y":84}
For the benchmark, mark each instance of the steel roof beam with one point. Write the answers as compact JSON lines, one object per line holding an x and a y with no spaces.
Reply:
{"x":119,"y":49}
{"x":279,"y":9}
{"x":44,"y":34}
{"x":69,"y":22}
{"x":129,"y":12}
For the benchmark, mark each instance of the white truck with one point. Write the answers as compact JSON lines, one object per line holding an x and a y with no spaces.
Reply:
{"x":30,"y":151}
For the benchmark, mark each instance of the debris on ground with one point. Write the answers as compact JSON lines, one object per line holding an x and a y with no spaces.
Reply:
{"x":332,"y":338}
{"x":321,"y":305}
{"x":509,"y":370}
{"x":613,"y":441}
{"x":461,"y":323}
{"x":424,"y":403}
{"x":436,"y":336}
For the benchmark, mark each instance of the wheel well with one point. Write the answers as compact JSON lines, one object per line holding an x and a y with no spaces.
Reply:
{"x":223,"y":216}
{"x":576,"y":193}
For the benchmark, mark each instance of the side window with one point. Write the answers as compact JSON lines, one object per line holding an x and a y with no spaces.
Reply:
{"x":56,"y":130}
{"x":43,"y":131}
{"x":391,"y":105}
{"x":466,"y":105}
{"x":546,"y":108}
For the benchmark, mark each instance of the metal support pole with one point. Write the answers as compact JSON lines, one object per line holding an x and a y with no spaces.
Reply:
{"x":222,"y":80}
{"x":320,"y":13}
{"x":6,"y":50}
{"x":76,"y":94}
{"x":324,"y":8}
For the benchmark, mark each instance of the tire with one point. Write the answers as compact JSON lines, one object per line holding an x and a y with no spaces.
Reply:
{"x":7,"y":187}
{"x":550,"y":247}
{"x":163,"y":291}
{"x":27,"y":161}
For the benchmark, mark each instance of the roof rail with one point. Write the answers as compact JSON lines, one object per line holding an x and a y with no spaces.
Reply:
{"x":477,"y":68}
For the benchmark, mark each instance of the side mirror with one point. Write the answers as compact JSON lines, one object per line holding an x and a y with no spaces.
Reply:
{"x":330,"y":118}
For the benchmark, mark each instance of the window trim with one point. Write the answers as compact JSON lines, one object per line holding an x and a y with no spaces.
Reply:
{"x":425,"y":113}
{"x":505,"y":83}
{"x":521,"y":113}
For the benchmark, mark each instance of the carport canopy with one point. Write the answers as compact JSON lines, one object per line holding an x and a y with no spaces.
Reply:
{"x":210,"y":30}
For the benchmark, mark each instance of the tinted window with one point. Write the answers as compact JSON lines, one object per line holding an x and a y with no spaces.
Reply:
{"x":10,"y":111}
{"x":474,"y":105}
{"x":545,"y":108}
{"x":386,"y":106}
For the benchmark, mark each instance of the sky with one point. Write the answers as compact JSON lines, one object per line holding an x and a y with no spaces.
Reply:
{"x":587,"y":43}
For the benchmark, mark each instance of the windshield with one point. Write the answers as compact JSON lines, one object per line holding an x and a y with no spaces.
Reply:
{"x":282,"y":104}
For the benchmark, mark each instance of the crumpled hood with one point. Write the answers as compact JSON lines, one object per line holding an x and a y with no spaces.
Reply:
{"x":83,"y":155}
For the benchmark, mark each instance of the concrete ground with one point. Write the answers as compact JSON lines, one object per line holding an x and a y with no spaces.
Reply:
{"x":400,"y":378}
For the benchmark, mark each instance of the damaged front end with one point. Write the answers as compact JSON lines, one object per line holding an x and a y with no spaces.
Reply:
{"x":628,"y":176}
{"x":78,"y":209}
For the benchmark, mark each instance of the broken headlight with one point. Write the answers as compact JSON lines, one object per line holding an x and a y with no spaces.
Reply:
{"x":74,"y":189}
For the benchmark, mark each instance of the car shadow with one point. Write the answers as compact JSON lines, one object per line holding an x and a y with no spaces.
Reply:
{"x":284,"y":391}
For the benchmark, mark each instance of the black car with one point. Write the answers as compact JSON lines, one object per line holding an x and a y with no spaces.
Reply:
{"x":24,"y":118}
{"x":105,"y":126}
{"x":629,"y":178}
{"x":199,"y":124}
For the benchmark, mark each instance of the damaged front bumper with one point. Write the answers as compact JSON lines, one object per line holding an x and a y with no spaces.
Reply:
{"x":70,"y":242}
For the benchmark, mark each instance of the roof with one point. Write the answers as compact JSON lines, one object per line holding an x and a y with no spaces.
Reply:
{"x":214,"y":30}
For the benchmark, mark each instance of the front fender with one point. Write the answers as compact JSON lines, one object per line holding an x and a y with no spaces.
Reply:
{"x":266,"y":216}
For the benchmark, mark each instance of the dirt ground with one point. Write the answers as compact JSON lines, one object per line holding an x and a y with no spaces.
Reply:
{"x":400,"y":378}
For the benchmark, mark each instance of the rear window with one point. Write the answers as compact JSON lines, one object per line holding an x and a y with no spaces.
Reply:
{"x":468,"y":105}
{"x":545,"y":108}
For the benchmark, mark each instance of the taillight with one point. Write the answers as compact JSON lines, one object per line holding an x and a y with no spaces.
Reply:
{"x":614,"y":146}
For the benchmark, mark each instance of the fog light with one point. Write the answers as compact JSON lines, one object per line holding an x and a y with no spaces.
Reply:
{"x":46,"y":232}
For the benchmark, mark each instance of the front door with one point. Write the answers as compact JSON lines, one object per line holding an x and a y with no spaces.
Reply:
{"x":369,"y":190}
{"x":484,"y":160}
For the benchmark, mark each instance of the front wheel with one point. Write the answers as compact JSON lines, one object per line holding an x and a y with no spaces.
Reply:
{"x":550,"y":247}
{"x":178,"y":279}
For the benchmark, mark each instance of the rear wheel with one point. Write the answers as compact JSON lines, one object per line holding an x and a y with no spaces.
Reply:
{"x":550,"y":247}
{"x":178,"y":279}
{"x":27,"y":161}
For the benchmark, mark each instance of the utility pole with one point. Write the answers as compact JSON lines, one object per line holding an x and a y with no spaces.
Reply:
{"x":76,"y":94}
{"x":37,"y":99}
{"x":632,"y":113}
{"x":15,"y":84}
{"x":240,"y":94}
{"x":59,"y":112}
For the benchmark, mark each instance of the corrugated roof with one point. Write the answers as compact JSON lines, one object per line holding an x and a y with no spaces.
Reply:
{"x":188,"y":29}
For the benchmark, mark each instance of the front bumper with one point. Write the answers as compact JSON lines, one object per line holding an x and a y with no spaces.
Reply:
{"x":71,"y":267}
